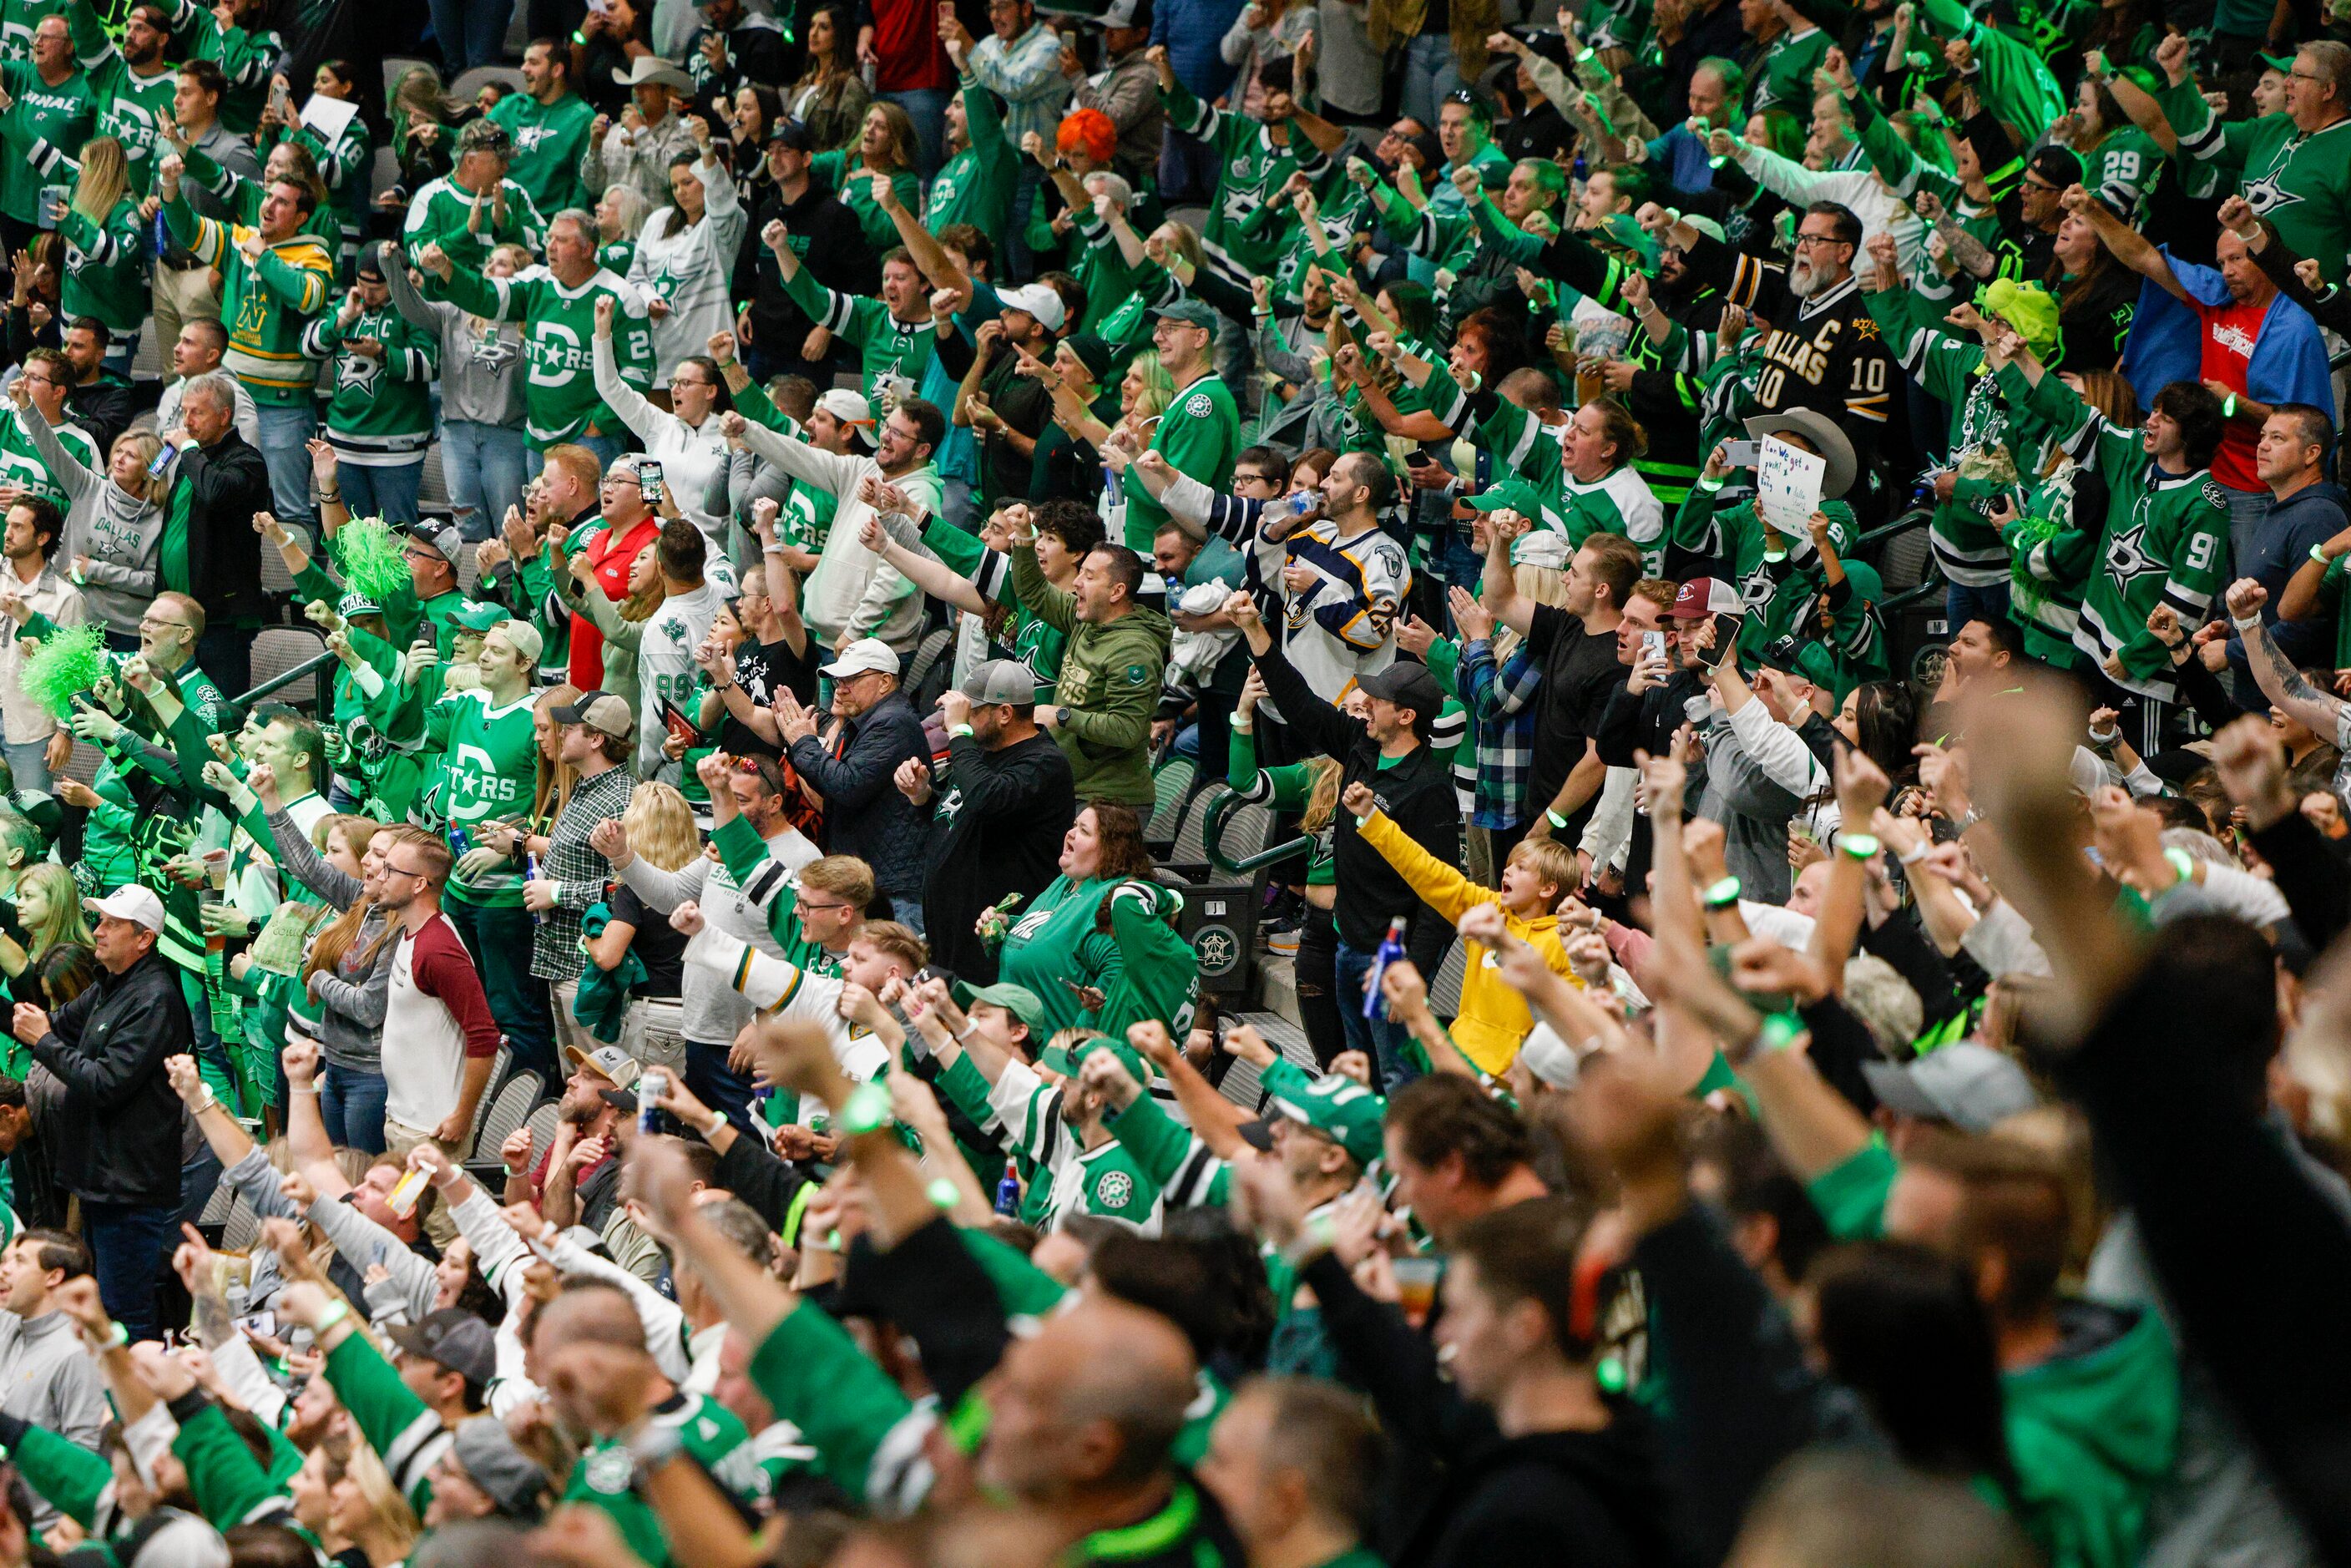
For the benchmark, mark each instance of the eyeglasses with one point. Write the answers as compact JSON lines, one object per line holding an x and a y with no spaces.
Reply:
{"x":402,"y":871}
{"x":812,"y":905}
{"x":2033,"y":182}
{"x":164,"y":626}
{"x":1804,"y":239}
{"x":690,"y":382}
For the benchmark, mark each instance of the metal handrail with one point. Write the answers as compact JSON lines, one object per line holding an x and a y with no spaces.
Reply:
{"x":1248,"y":863}
{"x":278,"y":682}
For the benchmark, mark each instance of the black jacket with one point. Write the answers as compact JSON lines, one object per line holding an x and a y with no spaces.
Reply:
{"x":999,"y":819}
{"x":118,"y":1130}
{"x":828,"y":241}
{"x":228,"y":483}
{"x":1467,"y":1497}
{"x":1416,"y":793}
{"x":864,"y":814}
{"x":103,"y":409}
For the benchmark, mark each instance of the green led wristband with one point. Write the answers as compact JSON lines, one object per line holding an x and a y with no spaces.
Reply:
{"x":117,"y":1337}
{"x":1722,"y":894}
{"x":2318,"y":554}
{"x":1780,"y":1031}
{"x":1860,"y":846}
{"x":867,"y":1109}
{"x":1556,"y":819}
{"x":1773,"y":557}
{"x":943,"y":1194}
{"x":2229,"y":406}
{"x":2181,"y":862}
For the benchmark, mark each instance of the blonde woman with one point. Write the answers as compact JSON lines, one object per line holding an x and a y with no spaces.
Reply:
{"x":620,"y":218}
{"x":555,"y":777}
{"x":367,"y":1510}
{"x":106,"y":260}
{"x":114,"y":520}
{"x":49,"y":906}
{"x":659,"y":828}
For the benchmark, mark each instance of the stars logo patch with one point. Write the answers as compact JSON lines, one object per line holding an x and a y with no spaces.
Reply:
{"x":1116,"y":1190}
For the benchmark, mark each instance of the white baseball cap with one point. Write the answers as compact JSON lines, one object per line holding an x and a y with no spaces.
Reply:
{"x":861,"y":657}
{"x":1038,"y":300}
{"x":851,"y":408}
{"x":133,"y":903}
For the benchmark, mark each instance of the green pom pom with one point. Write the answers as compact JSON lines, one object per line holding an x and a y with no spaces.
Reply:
{"x":372,"y":558}
{"x":67,"y":663}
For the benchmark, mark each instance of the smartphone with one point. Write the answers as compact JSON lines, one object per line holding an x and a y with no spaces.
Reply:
{"x":1741,"y":453}
{"x":1726,"y":641}
{"x":261,"y":1323}
{"x":1416,"y":458}
{"x":649,"y":479}
{"x":1653,"y":645}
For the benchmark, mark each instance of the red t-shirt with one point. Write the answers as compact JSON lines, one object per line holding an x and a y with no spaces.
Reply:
{"x":611,"y":559}
{"x":2230,"y":333}
{"x":906,"y":40}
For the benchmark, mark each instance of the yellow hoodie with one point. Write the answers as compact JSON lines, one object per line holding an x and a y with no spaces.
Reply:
{"x":1494,"y":1017}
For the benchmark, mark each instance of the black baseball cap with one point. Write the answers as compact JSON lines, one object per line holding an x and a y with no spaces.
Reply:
{"x":1407,"y":685}
{"x":793,"y":134}
{"x":457,"y":1339}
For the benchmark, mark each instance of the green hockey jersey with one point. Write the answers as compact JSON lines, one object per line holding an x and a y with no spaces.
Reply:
{"x":560,"y":398}
{"x":382,"y":368}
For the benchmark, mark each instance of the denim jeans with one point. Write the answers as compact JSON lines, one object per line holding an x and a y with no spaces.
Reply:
{"x":1962,"y":604}
{"x":388,"y":492}
{"x":28,"y":762}
{"x":1018,"y":263}
{"x":483,"y":464}
{"x":470,"y":32}
{"x":1381,"y":1039}
{"x":285,"y":431}
{"x":500,"y":939}
{"x":928,"y":108}
{"x":1430,"y":72}
{"x":719,"y":1086}
{"x":130,"y":1246}
{"x":350,"y":1103}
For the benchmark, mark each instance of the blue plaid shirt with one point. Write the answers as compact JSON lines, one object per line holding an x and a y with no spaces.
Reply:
{"x":1502,"y":727}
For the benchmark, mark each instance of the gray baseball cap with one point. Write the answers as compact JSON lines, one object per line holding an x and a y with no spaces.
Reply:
{"x":512,"y":1478}
{"x":1966,"y":1083}
{"x":1001,"y":681}
{"x":598,"y":711}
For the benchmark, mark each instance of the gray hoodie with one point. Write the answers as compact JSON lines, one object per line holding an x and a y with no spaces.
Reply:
{"x":481,"y":361}
{"x":121,"y":535}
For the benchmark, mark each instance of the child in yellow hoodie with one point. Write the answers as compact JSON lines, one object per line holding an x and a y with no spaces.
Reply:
{"x":1494,"y":1017}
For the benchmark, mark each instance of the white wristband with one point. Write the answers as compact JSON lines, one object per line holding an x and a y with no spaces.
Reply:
{"x":2247,"y":623}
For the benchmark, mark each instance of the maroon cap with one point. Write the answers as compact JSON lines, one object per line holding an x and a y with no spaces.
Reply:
{"x":1703,"y":596}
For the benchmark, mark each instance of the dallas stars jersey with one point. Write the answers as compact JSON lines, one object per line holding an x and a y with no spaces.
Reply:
{"x":1619,"y":503}
{"x":439,"y":213}
{"x":381,"y":414}
{"x":267,"y":301}
{"x":2052,"y":545}
{"x":62,"y":115}
{"x":129,"y":105}
{"x":1200,"y":434}
{"x":606,"y":1473}
{"x":888,"y":346}
{"x":1103,"y":1181}
{"x":1830,"y":358}
{"x":105,"y":267}
{"x":1251,"y":167}
{"x":975,"y":186}
{"x":2165,"y":538}
{"x":783,"y":988}
{"x":1783,"y":79}
{"x":21,"y":464}
{"x":1983,"y":427}
{"x":1160,"y":979}
{"x":18,"y":18}
{"x":2300,"y":183}
{"x":548,"y":139}
{"x":560,"y":400}
{"x":2122,"y":168}
{"x":244,"y":57}
{"x":490,"y":769}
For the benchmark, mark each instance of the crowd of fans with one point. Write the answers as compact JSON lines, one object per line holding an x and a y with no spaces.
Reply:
{"x":1766,"y":575}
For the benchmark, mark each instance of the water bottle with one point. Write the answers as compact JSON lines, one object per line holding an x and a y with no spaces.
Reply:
{"x":530,"y":872}
{"x":651,"y":1088}
{"x":1390,"y":949}
{"x":239,"y":1299}
{"x":162,"y":460}
{"x":1007,"y":1194}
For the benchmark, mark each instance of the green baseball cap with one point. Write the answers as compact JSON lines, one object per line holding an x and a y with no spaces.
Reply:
{"x":2282,"y":64}
{"x":1515,"y":495}
{"x":1067,"y":1061}
{"x":1335,"y":1105}
{"x":352,"y":605}
{"x":1019,"y":1000}
{"x":475,"y":616}
{"x":1191,"y":312}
